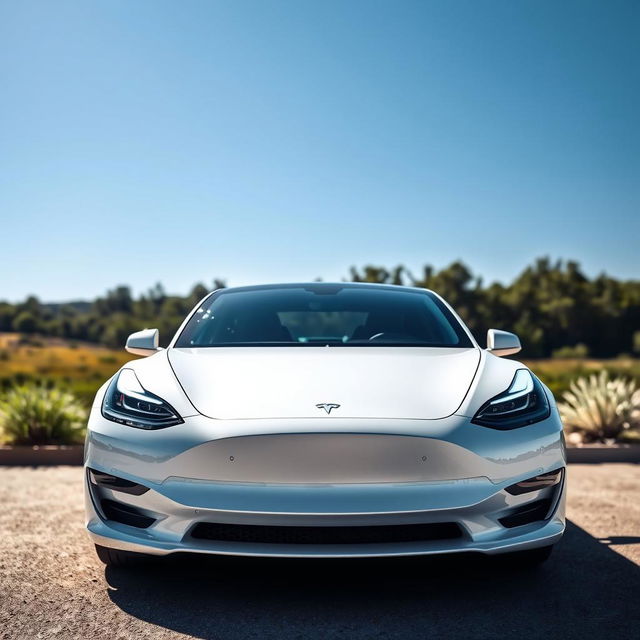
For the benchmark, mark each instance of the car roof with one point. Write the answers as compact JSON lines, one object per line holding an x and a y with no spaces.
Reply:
{"x":325,"y":285}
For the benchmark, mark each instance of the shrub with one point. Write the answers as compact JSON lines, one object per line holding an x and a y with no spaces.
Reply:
{"x":600,"y":407}
{"x":578,"y":351}
{"x":636,"y":342}
{"x":36,"y":415}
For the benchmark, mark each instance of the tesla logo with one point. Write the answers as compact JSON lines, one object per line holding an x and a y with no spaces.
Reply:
{"x":327,"y":406}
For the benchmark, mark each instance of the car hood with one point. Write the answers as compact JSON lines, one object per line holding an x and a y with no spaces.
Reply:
{"x":288,"y":382}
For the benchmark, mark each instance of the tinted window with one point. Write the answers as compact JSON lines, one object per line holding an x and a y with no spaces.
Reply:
{"x":320,"y":314}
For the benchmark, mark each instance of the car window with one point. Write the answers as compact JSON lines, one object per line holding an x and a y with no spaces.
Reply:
{"x":321,"y":314}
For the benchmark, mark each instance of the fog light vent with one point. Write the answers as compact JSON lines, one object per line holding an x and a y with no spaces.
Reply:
{"x":526,"y":514}
{"x":536,"y":483}
{"x":125,"y":514}
{"x":108,"y":481}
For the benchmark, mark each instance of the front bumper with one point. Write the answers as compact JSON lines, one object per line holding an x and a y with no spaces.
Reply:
{"x":351,"y":474}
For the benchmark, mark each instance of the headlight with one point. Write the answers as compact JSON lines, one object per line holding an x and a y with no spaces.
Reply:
{"x":523,"y":403}
{"x":128,"y":402}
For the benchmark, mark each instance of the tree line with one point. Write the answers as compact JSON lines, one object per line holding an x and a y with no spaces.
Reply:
{"x":552,"y":305}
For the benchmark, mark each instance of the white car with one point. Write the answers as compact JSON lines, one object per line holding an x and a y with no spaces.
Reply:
{"x":324,"y":420}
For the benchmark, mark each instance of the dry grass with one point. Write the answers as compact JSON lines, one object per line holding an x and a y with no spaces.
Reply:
{"x":56,"y":358}
{"x":555,"y":366}
{"x":558,"y":373}
{"x":80,"y":367}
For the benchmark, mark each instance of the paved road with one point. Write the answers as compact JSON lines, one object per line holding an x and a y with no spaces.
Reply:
{"x":51,"y":585}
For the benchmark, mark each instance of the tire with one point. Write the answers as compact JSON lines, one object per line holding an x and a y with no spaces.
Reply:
{"x":117,"y":558}
{"x":527,"y":559}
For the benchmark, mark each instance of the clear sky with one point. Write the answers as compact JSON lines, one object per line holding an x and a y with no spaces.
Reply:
{"x":265,"y":141}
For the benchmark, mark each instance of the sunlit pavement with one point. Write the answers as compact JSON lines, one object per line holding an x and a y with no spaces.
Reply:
{"x":52,"y":585}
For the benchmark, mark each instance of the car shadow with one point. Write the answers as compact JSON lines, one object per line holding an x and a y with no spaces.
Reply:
{"x":615,"y":540}
{"x":584,"y":590}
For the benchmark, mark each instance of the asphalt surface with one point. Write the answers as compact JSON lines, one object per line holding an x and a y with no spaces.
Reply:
{"x":52,"y":585}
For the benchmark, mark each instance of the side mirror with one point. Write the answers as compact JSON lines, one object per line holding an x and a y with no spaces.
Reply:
{"x":502,"y":343}
{"x":143,"y":343}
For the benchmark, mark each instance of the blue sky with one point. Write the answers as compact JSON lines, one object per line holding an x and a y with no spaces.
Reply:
{"x":265,"y":141}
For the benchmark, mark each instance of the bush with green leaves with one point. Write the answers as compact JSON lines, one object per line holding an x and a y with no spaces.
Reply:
{"x":578,"y":352}
{"x":600,"y":407}
{"x":36,"y":415}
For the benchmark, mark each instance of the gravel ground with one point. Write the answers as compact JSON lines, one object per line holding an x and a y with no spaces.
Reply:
{"x":52,"y":585}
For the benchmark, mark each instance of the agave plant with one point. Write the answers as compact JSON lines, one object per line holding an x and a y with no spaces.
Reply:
{"x":35,"y":415}
{"x":600,"y":407}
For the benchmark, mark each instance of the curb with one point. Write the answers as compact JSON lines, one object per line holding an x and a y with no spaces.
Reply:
{"x":602,"y":453}
{"x":46,"y":455}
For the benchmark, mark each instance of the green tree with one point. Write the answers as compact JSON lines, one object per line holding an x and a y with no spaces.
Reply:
{"x":26,"y":322}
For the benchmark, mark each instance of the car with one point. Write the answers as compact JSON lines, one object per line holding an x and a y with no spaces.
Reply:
{"x":324,"y":420}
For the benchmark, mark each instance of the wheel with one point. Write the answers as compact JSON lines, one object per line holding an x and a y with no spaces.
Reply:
{"x":527,"y":559}
{"x":117,"y":558}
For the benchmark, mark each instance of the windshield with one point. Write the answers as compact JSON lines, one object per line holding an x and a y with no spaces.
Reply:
{"x":323,"y":314}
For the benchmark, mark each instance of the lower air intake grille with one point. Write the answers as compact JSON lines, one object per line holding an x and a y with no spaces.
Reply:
{"x":126,"y":514}
{"x":527,"y":514}
{"x":326,"y":535}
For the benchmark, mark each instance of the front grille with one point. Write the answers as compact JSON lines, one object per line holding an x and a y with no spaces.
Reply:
{"x":326,"y":535}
